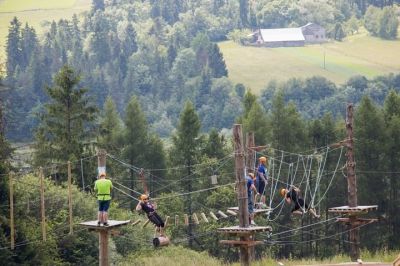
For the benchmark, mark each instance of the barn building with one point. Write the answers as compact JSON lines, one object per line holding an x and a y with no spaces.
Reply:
{"x":289,"y":37}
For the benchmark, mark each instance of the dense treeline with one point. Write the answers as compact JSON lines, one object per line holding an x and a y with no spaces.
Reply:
{"x":164,"y":52}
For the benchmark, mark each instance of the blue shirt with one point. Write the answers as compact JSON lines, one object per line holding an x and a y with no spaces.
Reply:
{"x":261,"y":169}
{"x":249,"y":182}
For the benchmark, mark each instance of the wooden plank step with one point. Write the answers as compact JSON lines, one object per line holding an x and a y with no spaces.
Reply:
{"x":249,"y":243}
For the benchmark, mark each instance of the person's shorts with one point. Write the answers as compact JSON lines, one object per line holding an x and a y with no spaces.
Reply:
{"x":104,"y":205}
{"x":250,"y":205}
{"x":261,"y":187}
{"x":300,"y":204}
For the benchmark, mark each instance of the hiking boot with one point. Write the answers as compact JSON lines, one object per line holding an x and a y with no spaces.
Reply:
{"x":105,"y":224}
{"x":253,"y":223}
{"x":98,"y":223}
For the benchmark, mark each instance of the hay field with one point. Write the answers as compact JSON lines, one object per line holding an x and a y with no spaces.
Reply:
{"x":337,"y":61}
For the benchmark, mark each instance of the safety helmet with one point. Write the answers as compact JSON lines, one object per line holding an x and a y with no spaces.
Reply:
{"x":251,"y":175}
{"x":283,"y":192}
{"x":263,"y":159}
{"x":143,"y":197}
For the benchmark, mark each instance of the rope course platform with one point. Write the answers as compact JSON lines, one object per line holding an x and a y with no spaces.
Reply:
{"x":246,"y":234}
{"x":237,"y":230}
{"x":256,"y":211}
{"x":92,"y":225}
{"x":353,"y":210}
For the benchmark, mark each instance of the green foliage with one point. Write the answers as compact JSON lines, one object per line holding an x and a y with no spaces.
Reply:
{"x":65,"y":124}
{"x":388,"y":23}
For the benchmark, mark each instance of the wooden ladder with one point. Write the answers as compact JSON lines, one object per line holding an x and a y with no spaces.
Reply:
{"x":396,"y":262}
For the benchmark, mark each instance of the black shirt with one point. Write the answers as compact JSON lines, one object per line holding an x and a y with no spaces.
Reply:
{"x":292,"y":194}
{"x":147,"y":207}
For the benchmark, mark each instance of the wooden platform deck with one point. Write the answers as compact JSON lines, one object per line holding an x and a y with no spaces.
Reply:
{"x":353,"y":210}
{"x":256,"y":211}
{"x":92,"y":225}
{"x":244,"y":230}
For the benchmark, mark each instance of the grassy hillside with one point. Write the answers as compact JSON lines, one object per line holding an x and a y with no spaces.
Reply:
{"x":359,"y":54}
{"x":35,"y":12}
{"x":176,"y":255}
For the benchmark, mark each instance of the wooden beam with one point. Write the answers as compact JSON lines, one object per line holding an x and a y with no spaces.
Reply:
{"x":11,"y":187}
{"x":42,"y":209}
{"x":396,"y":262}
{"x":246,"y":243}
{"x":213,"y":216}
{"x":196,"y":220}
{"x":71,"y":223}
{"x":222,"y":214}
{"x":135,"y":222}
{"x":203,"y":216}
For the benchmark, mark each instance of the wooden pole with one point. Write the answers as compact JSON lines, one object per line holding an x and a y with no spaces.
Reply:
{"x":241,"y":192}
{"x":103,"y":248}
{"x":101,"y":161}
{"x":354,"y":234}
{"x":103,"y":234}
{"x":250,"y":165}
{"x":250,"y":159}
{"x":42,"y":210}
{"x":12,"y":233}
{"x":71,"y":229}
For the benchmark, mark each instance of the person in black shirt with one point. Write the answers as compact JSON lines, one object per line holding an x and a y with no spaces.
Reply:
{"x":150,"y":210}
{"x":300,"y":206}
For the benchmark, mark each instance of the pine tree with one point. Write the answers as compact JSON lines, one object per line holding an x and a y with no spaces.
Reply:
{"x":97,"y":5}
{"x":392,"y":158}
{"x":134,"y":138}
{"x":13,"y":47}
{"x":369,"y":151}
{"x":185,"y":151}
{"x":244,"y":12}
{"x":110,"y":128}
{"x":29,"y":45}
{"x":216,"y":62}
{"x":66,"y":123}
{"x":215,"y":145}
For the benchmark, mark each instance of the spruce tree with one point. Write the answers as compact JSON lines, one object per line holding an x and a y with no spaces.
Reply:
{"x":216,"y":62}
{"x":13,"y":47}
{"x":65,"y":125}
{"x":185,"y":151}
{"x":110,"y":128}
{"x":369,"y":131}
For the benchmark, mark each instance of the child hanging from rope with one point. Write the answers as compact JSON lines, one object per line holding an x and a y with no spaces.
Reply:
{"x":300,"y":206}
{"x":150,"y":209}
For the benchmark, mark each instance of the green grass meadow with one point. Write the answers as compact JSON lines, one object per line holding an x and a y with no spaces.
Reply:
{"x":179,"y":256}
{"x":35,"y":13}
{"x":356,"y":55}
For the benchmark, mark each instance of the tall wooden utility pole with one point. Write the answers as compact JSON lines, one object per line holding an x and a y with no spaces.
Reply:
{"x":103,"y":234}
{"x":250,"y":158}
{"x":240,"y":178}
{"x":41,"y":176}
{"x":101,"y":161}
{"x":12,"y":232}
{"x":354,"y":234}
{"x":71,"y":227}
{"x":241,"y":191}
{"x":352,"y":210}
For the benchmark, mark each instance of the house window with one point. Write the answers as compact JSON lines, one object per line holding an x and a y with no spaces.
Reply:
{"x":316,"y":36}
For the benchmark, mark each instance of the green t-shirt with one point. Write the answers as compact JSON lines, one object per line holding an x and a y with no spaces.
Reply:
{"x":103,"y":189}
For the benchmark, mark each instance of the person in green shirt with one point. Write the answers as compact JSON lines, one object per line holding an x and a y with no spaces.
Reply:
{"x":103,"y":187}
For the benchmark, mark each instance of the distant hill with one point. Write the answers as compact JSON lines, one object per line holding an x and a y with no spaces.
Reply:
{"x":357,"y":55}
{"x":35,"y":12}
